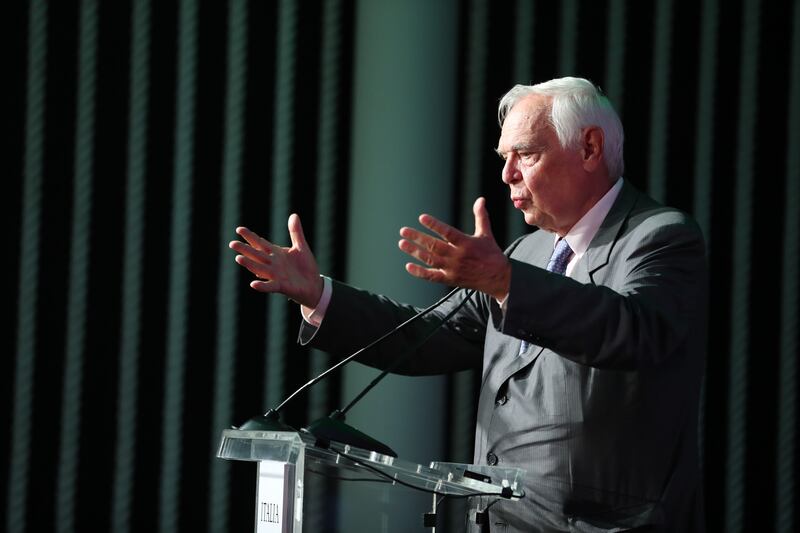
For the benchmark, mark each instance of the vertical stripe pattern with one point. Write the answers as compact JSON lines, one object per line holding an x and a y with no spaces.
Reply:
{"x":327,"y":200}
{"x":659,"y":108}
{"x":282,"y":155}
{"x":785,"y":495}
{"x":615,"y":54}
{"x":77,"y":295}
{"x":128,"y":307}
{"x":524,"y":38}
{"x":704,"y":125}
{"x":568,"y":38}
{"x":178,"y":289}
{"x":227,"y":293}
{"x":27,"y":299}
{"x":740,"y":289}
{"x":132,"y":274}
{"x":474,"y":108}
{"x":704,"y":155}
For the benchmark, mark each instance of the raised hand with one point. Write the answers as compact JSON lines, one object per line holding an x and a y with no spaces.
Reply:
{"x":291,"y":271}
{"x":457,"y":259}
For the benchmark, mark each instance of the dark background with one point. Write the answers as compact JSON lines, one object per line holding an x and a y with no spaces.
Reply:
{"x":139,"y":134}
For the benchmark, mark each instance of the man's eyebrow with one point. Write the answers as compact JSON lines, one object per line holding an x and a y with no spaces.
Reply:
{"x":523,"y":147}
{"x":520,"y":147}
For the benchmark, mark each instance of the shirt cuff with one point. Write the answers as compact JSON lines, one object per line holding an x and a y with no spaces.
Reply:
{"x":314,"y":316}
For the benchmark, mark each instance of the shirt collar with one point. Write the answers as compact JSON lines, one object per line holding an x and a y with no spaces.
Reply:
{"x":582,"y":233}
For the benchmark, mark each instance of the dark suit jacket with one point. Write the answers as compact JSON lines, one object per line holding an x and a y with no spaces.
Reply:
{"x":602,"y":410}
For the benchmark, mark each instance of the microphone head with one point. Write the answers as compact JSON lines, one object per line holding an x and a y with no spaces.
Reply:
{"x":269,"y":421}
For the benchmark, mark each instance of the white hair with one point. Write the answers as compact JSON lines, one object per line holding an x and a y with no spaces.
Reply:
{"x":576,"y":104}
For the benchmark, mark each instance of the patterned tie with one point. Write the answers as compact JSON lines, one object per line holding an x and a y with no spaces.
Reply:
{"x":560,"y":258}
{"x":558,"y":264}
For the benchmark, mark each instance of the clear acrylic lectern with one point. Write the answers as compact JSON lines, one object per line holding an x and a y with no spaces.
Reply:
{"x":283,"y":458}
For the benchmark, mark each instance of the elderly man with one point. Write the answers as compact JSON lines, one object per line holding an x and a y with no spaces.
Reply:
{"x":591,"y":330}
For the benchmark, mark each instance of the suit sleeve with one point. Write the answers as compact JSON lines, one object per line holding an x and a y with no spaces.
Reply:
{"x":356,"y":317}
{"x":647,"y":311}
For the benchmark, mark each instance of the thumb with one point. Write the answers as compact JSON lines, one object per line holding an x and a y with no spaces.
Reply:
{"x":296,"y":232}
{"x":482,"y":225}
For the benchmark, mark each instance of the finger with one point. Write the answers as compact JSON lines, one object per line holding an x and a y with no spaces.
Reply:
{"x":296,"y":232}
{"x":249,"y":251}
{"x":419,"y":253}
{"x":429,"y":274}
{"x":428,"y":242}
{"x":246,"y":234}
{"x":266,"y":286}
{"x":446,"y":231}
{"x":257,"y":268}
{"x":482,"y":225}
{"x":255,"y":240}
{"x":240,"y":247}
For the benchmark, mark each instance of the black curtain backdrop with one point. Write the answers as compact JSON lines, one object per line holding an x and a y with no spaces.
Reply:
{"x":140,"y":133}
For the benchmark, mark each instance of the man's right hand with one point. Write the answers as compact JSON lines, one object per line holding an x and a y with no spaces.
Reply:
{"x":292,"y":271}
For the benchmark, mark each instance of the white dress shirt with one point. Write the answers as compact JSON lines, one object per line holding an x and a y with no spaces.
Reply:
{"x":581,"y":234}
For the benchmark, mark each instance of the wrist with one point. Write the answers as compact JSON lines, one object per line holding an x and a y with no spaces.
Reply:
{"x":502,"y":284}
{"x":316,"y":294}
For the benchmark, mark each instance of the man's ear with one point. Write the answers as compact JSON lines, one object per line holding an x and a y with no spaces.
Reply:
{"x":592,"y":147}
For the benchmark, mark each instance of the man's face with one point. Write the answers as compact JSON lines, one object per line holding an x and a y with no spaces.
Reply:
{"x":547,"y":182}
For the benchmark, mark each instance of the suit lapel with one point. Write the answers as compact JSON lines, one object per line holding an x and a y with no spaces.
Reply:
{"x":521,"y":361}
{"x":538,"y":256}
{"x":599,"y":251}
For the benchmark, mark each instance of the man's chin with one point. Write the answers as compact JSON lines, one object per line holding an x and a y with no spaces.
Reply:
{"x":541,"y":222}
{"x":531,"y":219}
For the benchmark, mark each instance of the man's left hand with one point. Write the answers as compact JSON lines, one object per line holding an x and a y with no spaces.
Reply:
{"x":457,"y":259}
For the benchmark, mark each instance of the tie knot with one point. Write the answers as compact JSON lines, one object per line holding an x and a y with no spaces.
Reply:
{"x":560,"y":258}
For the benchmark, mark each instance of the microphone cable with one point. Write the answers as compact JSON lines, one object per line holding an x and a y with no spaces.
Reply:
{"x":403,"y":356}
{"x":271,"y":419}
{"x":355,"y":354}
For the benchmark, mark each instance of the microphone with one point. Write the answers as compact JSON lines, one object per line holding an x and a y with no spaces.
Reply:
{"x":333,"y":427}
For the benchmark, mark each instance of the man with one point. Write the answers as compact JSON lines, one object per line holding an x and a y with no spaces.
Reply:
{"x":591,"y":331}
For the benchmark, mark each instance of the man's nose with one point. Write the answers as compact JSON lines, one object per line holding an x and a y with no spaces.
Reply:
{"x":510,"y":173}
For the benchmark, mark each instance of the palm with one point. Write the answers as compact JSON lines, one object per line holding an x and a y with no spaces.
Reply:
{"x":457,"y":259}
{"x":291,"y":271}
